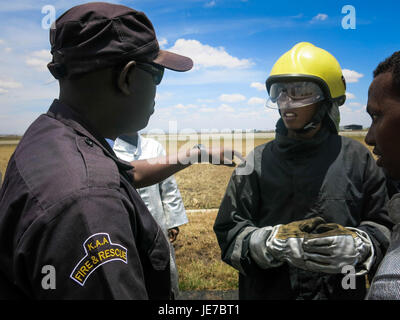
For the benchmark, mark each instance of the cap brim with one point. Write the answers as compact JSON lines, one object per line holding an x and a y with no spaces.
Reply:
{"x":173,"y":61}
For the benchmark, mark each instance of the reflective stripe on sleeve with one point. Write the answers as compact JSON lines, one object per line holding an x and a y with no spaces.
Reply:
{"x":237,"y":249}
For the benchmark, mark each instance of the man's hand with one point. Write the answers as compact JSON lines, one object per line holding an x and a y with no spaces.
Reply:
{"x":286,"y":241}
{"x":173,"y":234}
{"x":272,"y":246}
{"x":332,"y":246}
{"x":216,"y":156}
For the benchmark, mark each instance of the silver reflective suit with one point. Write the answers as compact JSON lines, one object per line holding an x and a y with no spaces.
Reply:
{"x":163,"y":200}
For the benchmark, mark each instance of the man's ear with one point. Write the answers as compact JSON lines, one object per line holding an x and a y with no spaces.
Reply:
{"x":124,"y":80}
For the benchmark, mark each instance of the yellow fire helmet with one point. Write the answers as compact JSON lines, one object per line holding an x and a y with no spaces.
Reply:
{"x":306,"y":62}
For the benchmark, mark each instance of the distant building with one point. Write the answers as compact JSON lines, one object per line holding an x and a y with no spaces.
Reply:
{"x":353,"y":127}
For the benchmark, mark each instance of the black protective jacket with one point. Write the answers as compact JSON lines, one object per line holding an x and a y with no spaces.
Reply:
{"x":329,"y":176}
{"x":71,"y":224}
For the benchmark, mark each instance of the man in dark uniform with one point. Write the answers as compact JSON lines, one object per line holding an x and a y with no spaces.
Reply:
{"x":71,"y":224}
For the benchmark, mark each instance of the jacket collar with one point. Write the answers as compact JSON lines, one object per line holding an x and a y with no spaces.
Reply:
{"x":73,"y":119}
{"x":293,"y":148}
{"x":124,"y":143}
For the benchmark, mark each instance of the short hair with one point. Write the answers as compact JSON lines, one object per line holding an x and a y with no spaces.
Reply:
{"x":391,"y":64}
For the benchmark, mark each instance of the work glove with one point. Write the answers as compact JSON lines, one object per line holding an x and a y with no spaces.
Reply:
{"x":331,"y":247}
{"x":272,"y":246}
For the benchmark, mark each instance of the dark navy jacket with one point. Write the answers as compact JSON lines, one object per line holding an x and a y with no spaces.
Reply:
{"x":67,"y":205}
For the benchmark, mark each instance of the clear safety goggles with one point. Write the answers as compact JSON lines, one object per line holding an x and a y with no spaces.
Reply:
{"x":284,"y":95}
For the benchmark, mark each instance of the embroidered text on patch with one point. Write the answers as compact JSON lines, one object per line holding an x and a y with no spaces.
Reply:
{"x":98,"y":250}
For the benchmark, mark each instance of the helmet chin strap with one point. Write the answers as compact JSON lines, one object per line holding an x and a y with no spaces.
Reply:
{"x":316,"y":119}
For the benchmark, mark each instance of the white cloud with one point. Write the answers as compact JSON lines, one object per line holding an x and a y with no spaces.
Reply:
{"x":10,"y":84}
{"x":162,"y":42}
{"x":42,"y":54}
{"x":354,"y":104}
{"x":219,"y":117}
{"x":320,"y":17}
{"x":38,"y":64}
{"x":207,"y":110}
{"x":350,"y":115}
{"x":185,"y":107}
{"x":345,"y":109}
{"x":350,"y":95}
{"x":163,"y":96}
{"x":232,"y":97}
{"x":206,"y":56}
{"x":255,"y":101}
{"x":205,"y":100}
{"x":6,"y":85}
{"x":39,"y":60}
{"x":210,"y":4}
{"x":215,"y":76}
{"x":258,"y":85}
{"x":226,"y":108}
{"x":351,"y":75}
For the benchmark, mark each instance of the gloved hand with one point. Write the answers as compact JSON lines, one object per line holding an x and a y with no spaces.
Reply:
{"x":331,"y":247}
{"x":271,"y":246}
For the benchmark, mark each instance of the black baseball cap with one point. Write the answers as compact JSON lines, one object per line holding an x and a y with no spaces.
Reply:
{"x":97,"y":35}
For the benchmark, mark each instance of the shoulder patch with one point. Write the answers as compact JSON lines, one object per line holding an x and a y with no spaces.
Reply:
{"x":98,"y":250}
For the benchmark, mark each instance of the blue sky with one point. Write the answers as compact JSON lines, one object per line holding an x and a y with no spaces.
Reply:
{"x":234,"y":44}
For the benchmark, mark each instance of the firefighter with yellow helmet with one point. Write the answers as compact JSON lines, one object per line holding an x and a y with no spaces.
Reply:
{"x":312,"y":210}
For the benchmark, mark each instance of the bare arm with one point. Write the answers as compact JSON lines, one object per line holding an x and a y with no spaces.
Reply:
{"x":151,"y":171}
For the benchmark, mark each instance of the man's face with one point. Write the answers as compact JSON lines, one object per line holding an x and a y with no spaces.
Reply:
{"x":384,"y":108}
{"x":140,"y":103}
{"x":297,"y":118}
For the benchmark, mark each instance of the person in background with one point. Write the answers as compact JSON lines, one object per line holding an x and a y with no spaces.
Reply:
{"x":384,"y":108}
{"x":315,"y":201}
{"x":163,"y":199}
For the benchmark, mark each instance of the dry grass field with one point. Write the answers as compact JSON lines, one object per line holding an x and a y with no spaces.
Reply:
{"x":5,"y":154}
{"x":203,"y":185}
{"x":197,"y":253}
{"x":198,"y":256}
